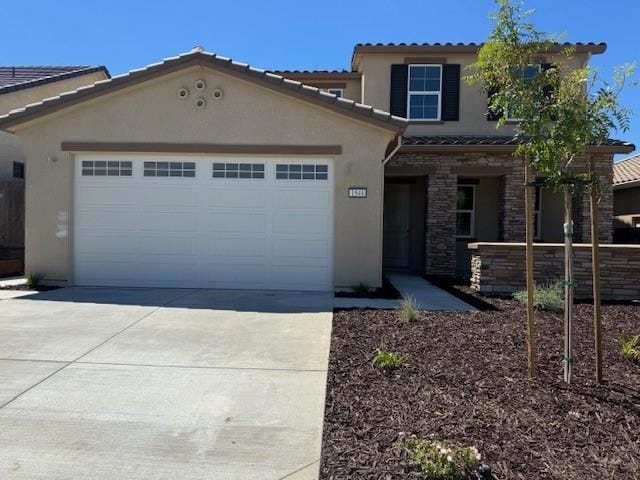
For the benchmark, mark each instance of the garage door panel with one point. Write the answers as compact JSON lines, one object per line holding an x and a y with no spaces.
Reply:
{"x":238,"y":222}
{"x":106,"y":195}
{"x":288,"y":248}
{"x":238,"y":247}
{"x":303,"y":199}
{"x":166,"y":221}
{"x":259,"y":233}
{"x":105,"y":219}
{"x":300,"y":223}
{"x":251,"y":275}
{"x":223,"y":198}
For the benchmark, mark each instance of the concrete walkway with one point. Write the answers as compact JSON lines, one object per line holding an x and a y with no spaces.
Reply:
{"x":137,"y":384}
{"x":427,"y":296}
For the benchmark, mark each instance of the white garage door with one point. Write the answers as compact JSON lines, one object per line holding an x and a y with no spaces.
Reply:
{"x":203,"y":222}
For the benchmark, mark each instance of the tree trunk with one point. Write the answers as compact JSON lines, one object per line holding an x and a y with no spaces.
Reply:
{"x":568,"y":283}
{"x":595,"y":267}
{"x":528,"y":208}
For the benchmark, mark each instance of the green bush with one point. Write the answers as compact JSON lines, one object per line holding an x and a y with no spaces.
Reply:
{"x":629,"y":348}
{"x":386,"y":360}
{"x":409,"y":308}
{"x":549,"y":297}
{"x":33,"y":280}
{"x":436,"y":460}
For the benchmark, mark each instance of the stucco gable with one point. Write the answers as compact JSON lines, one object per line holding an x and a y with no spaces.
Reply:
{"x":266,"y":80}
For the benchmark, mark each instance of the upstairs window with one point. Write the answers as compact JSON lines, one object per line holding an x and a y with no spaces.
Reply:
{"x":18,"y":170}
{"x":528,"y":74}
{"x":335,"y":91}
{"x":424,"y":91}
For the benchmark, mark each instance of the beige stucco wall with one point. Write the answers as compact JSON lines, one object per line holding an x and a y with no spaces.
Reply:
{"x":376,"y":85}
{"x":247,"y":114}
{"x":10,"y":147}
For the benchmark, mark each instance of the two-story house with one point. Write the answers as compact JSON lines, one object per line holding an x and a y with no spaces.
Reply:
{"x":200,"y":171}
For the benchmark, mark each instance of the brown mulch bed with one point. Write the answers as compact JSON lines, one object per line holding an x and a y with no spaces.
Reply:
{"x":466,"y":382}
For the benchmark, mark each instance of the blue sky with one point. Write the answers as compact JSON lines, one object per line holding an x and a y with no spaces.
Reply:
{"x":291,"y":34}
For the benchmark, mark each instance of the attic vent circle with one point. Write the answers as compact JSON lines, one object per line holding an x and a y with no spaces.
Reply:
{"x":217,"y":93}
{"x":200,"y":84}
{"x":200,"y":103}
{"x":183,"y":93}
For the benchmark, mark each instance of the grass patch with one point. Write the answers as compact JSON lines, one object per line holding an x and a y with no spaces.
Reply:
{"x":548,"y":297}
{"x":629,"y":349}
{"x":386,"y":360}
{"x":409,"y":308}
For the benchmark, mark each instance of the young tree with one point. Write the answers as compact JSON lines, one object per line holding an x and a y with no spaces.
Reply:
{"x":561,"y":111}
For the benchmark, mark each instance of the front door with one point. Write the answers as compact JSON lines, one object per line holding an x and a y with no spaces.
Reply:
{"x":397,"y":217}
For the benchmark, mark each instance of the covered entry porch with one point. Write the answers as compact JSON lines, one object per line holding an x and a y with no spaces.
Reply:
{"x":435,"y":207}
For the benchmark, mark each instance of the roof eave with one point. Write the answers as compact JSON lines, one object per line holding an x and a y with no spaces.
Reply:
{"x":483,"y":148}
{"x":625,"y":185}
{"x":450,"y":48}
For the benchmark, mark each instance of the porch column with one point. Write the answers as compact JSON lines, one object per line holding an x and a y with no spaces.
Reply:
{"x":440,"y":223}
{"x":511,"y":205}
{"x":582,"y":215}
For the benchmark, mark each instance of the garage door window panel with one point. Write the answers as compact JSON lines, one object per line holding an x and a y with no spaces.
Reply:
{"x":103,"y":168}
{"x":302,"y":172}
{"x":170,"y":169}
{"x":238,"y":170}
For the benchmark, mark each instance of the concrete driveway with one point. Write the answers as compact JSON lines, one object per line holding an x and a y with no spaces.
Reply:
{"x":163,"y":384}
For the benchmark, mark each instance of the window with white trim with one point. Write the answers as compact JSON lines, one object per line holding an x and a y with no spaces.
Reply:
{"x":335,"y":91}
{"x":106,"y":168}
{"x":169,"y":169}
{"x":424,"y":92}
{"x":298,"y":171}
{"x":537,"y":213}
{"x":528,"y":74}
{"x":238,"y":170}
{"x":465,"y":211}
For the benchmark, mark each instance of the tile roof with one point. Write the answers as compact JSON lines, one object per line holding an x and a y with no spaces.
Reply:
{"x":487,"y":141}
{"x":14,"y":78}
{"x":199,"y":57}
{"x":472,"y":44}
{"x":626,"y":171}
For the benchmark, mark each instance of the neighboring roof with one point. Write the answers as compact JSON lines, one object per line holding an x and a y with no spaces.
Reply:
{"x":504,"y":143}
{"x":19,"y":78}
{"x":319,"y":74}
{"x":440,"y":48}
{"x":196,"y":56}
{"x":626,"y":173}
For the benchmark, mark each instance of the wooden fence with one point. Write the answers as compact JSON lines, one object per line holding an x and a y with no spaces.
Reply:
{"x":11,"y":214}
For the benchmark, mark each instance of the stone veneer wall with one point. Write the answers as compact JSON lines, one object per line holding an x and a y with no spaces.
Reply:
{"x":440,"y":242}
{"x":499,"y":268}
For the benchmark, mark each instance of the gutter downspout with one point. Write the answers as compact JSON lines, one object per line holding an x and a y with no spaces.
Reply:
{"x":393,"y":152}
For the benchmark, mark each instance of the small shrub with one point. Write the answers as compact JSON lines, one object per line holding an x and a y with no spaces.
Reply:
{"x":361,"y":288}
{"x":549,"y":297}
{"x":436,"y":460}
{"x":386,"y":360}
{"x":409,"y":308}
{"x":629,"y":348}
{"x":33,"y":280}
